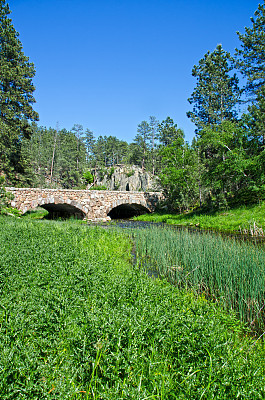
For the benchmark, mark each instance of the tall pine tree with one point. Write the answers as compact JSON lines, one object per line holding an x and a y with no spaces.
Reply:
{"x":251,"y":56}
{"x":16,"y":97}
{"x":217,"y":92}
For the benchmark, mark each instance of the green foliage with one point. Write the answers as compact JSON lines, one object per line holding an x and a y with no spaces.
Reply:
{"x":250,"y":57}
{"x":178,"y":177}
{"x":5,"y":196}
{"x":255,"y":121}
{"x":108,"y":151}
{"x":141,"y":139}
{"x":59,"y":151}
{"x":98,"y":187}
{"x":89,"y":141}
{"x":10,"y":211}
{"x":225,"y":162}
{"x":88,"y":177}
{"x":77,"y":321}
{"x":110,"y":172}
{"x":169,"y":132}
{"x":216,"y":92}
{"x":16,"y":97}
{"x":37,"y":213}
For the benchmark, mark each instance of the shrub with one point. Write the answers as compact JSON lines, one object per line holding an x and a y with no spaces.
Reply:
{"x":98,"y":187}
{"x":88,"y":177}
{"x":5,"y":197}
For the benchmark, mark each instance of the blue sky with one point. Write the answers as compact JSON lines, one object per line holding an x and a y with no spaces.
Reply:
{"x":110,"y":64}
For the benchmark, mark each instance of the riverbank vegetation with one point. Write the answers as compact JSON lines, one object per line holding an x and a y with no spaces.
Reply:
{"x":248,"y":220}
{"x":225,"y":270}
{"x":77,"y":320}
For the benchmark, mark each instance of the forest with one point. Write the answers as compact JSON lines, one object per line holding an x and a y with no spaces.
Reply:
{"x":221,"y":168}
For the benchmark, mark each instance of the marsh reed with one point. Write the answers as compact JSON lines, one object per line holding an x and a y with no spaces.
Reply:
{"x":223,"y":269}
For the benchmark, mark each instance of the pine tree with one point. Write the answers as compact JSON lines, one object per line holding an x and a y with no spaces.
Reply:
{"x":16,"y":97}
{"x":256,"y":118}
{"x":153,"y":136}
{"x":89,"y":141}
{"x":217,"y":91}
{"x":143,"y":133}
{"x":251,"y":56}
{"x":168,"y":132}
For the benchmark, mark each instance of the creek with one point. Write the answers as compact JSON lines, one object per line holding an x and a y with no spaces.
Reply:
{"x":131,"y":224}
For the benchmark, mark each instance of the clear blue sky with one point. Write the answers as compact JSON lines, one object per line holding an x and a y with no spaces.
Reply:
{"x":110,"y":64}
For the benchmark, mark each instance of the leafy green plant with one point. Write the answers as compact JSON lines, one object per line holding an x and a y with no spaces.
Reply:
{"x":78,"y":321}
{"x":98,"y":187}
{"x":5,"y":196}
{"x":38,"y":213}
{"x":110,"y":172}
{"x":88,"y":177}
{"x":10,"y":211}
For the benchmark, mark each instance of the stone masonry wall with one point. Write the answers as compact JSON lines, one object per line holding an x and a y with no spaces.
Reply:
{"x":95,"y":204}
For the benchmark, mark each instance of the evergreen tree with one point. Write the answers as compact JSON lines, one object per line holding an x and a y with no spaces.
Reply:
{"x":136,"y":151}
{"x":66,"y":161}
{"x":256,"y":118}
{"x":168,"y":132}
{"x":153,"y":136}
{"x":89,"y":141}
{"x":251,"y":56}
{"x":16,"y":97}
{"x":78,"y":131}
{"x":217,"y":91}
{"x":143,"y":134}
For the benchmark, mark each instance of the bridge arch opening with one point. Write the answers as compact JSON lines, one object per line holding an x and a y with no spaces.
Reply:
{"x":63,"y":211}
{"x":125,"y":211}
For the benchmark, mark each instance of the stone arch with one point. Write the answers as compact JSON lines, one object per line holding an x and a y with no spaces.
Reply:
{"x":127,"y":209}
{"x":59,"y":207}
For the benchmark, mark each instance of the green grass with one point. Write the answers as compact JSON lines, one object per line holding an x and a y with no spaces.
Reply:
{"x":77,"y":321}
{"x":37,"y":213}
{"x":234,"y":220}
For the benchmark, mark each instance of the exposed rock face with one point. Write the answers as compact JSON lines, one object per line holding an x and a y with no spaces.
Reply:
{"x":129,"y":178}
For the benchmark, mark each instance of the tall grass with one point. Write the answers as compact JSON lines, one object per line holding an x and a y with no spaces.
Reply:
{"x":77,"y":321}
{"x":225,"y":270}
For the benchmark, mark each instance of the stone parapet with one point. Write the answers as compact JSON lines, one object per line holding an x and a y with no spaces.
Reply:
{"x":91,"y":204}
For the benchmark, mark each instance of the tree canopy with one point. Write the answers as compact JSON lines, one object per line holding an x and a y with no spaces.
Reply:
{"x":16,"y":96}
{"x":250,"y":57}
{"x":217,"y":92}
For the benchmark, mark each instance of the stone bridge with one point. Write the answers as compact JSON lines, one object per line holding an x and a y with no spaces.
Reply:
{"x":85,"y":204}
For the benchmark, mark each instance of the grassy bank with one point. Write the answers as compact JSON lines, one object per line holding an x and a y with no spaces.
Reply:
{"x":245,"y":219}
{"x":77,"y":321}
{"x":223,"y":269}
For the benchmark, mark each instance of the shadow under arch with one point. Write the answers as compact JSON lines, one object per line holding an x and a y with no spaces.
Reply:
{"x":62,"y":210}
{"x":125,"y":211}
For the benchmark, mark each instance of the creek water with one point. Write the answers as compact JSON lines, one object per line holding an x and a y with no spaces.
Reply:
{"x":131,"y":224}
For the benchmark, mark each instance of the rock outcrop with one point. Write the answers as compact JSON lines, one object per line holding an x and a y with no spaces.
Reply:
{"x":128,"y":178}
